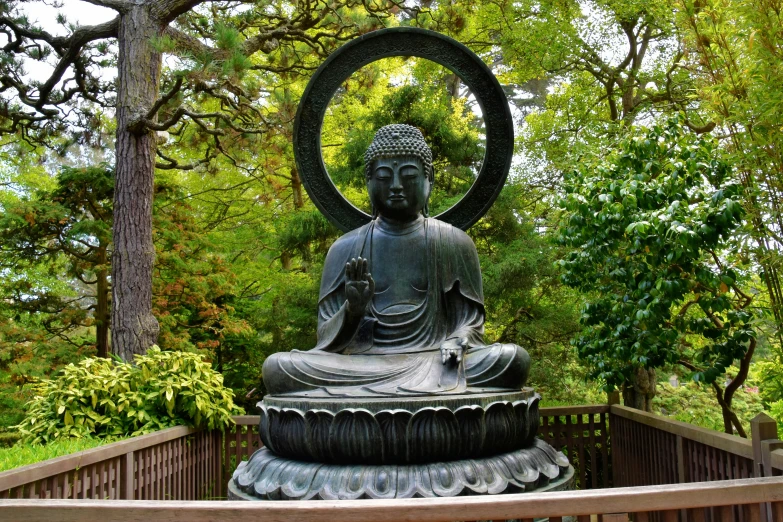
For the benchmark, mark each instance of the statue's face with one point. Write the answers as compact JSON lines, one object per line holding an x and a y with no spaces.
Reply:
{"x":399,"y":187}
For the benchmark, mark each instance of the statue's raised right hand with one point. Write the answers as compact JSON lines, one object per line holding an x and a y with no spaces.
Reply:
{"x":359,"y":286}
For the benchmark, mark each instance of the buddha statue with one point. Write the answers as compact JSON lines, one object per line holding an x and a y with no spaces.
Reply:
{"x":401,"y":310}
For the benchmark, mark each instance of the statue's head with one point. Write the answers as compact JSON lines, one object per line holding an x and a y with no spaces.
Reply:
{"x":398,"y":168}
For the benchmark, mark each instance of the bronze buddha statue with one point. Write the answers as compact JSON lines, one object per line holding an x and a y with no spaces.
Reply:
{"x":401,"y":308}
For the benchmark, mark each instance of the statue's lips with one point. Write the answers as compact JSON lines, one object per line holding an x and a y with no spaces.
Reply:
{"x":396,"y":198}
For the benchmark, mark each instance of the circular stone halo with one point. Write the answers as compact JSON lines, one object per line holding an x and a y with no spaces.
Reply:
{"x":403,"y":41}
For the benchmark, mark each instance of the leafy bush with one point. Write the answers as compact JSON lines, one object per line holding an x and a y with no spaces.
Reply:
{"x":696,"y":404}
{"x":768,"y":374}
{"x":103,"y":398}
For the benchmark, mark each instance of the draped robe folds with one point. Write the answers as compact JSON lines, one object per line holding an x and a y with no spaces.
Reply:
{"x":397,"y":352}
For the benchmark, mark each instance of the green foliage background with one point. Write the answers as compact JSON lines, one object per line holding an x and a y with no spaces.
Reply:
{"x":240,"y":247}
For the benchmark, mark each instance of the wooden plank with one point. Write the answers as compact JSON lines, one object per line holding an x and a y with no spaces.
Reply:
{"x":696,"y":515}
{"x":579,"y":451}
{"x":725,"y":514}
{"x":616,"y":517}
{"x":605,"y":481}
{"x":776,"y":460}
{"x":723,"y":441}
{"x":101,"y":480}
{"x":238,"y":446}
{"x":159,"y":472}
{"x":543,"y":430}
{"x":645,"y":462}
{"x":178,"y":476}
{"x":74,"y":493}
{"x":190,"y":475}
{"x":222,"y":486}
{"x":777,"y":511}
{"x":83,"y":483}
{"x":671,"y":515}
{"x":500,"y":507}
{"x":147,"y":452}
{"x":592,"y":450}
{"x":753,"y":512}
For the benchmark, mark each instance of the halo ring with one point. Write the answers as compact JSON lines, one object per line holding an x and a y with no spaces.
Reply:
{"x":403,"y":41}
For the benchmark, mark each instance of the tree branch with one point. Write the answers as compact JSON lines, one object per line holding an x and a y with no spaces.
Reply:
{"x":118,"y":5}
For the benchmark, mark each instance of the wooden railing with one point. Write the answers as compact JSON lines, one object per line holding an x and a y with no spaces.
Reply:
{"x":240,"y":442}
{"x":608,"y":445}
{"x":582,"y":433}
{"x":185,"y":464}
{"x":176,"y":463}
{"x":612,"y":505}
{"x":651,"y":450}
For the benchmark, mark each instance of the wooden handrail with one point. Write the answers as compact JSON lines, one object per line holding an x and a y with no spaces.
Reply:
{"x":556,"y":411}
{"x":40,"y":470}
{"x":715,"y":439}
{"x":777,"y":459}
{"x":246,"y":420}
{"x":492,"y":507}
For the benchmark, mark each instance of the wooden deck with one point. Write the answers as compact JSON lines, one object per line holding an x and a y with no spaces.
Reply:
{"x":629,"y":465}
{"x":615,"y":505}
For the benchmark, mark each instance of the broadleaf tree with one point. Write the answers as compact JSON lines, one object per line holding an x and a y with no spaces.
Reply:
{"x":651,"y":226}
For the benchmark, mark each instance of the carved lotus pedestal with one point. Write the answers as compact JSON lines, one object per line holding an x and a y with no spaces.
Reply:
{"x":399,"y":448}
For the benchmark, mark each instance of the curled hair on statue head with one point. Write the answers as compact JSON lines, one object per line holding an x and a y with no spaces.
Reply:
{"x":399,"y":140}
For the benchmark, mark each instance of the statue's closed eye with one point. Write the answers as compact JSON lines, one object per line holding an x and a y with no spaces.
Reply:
{"x":383,"y":173}
{"x":410,"y":172}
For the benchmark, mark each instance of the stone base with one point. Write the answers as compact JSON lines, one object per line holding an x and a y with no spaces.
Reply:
{"x":267,"y":476}
{"x":409,"y":430}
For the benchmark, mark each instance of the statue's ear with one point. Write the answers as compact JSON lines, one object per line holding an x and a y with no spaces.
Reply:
{"x":426,"y":210}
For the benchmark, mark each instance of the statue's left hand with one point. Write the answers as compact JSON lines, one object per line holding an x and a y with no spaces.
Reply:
{"x":453,"y":350}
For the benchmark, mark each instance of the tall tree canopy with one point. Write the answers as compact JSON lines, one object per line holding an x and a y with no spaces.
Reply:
{"x":204,"y":94}
{"x":221,"y":55}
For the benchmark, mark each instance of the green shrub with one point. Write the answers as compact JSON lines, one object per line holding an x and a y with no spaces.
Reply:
{"x":102,"y":398}
{"x":768,"y":374}
{"x":696,"y":404}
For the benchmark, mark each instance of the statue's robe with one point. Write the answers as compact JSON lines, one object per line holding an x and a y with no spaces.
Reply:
{"x":396,"y":350}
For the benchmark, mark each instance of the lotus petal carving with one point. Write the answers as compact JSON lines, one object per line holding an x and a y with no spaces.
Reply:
{"x":400,"y":436}
{"x":268,"y":476}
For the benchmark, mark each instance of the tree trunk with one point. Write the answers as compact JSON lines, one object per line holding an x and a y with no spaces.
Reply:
{"x":102,"y":307}
{"x":296,"y":186}
{"x":639,"y":391}
{"x":134,"y":328}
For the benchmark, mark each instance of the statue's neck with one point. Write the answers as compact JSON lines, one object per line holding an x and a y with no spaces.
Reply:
{"x":393,"y":226}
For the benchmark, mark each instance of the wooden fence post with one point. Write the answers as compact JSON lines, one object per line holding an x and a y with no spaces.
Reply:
{"x":128,"y":487}
{"x":762,"y":428}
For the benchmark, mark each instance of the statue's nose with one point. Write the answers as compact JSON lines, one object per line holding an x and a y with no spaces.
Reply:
{"x":396,"y":182}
